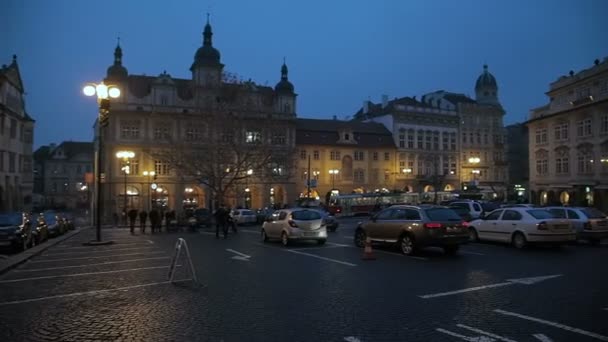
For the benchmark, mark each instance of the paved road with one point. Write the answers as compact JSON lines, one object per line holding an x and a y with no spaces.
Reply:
{"x":252,"y":291}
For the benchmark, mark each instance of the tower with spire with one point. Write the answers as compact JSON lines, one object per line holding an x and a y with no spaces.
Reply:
{"x":207,"y":68}
{"x":286,"y":98}
{"x":486,"y":89}
{"x":117,"y":72}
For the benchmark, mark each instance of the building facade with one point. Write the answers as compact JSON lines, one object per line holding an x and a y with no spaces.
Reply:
{"x":16,"y":141}
{"x":569,"y":141}
{"x":345,"y":157}
{"x":426,"y":141}
{"x":189,"y":137}
{"x":64,"y":176}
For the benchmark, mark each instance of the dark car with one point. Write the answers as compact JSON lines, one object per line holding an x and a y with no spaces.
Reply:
{"x":203,"y":217}
{"x":464,"y":213}
{"x":67,"y":221}
{"x":54,"y":225}
{"x":40,"y":231}
{"x":414,"y":227}
{"x":262,"y":213}
{"x":328,"y":218}
{"x":15,"y":231}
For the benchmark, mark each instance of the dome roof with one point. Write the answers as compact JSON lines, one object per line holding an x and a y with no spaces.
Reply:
{"x":207,"y":55}
{"x":486,"y":79}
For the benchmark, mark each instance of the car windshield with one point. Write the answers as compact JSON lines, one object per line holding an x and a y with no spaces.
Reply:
{"x":50,"y":218}
{"x":593,"y":213}
{"x":442,"y":214}
{"x":7,"y":220}
{"x":540,"y":214}
{"x":306,"y":215}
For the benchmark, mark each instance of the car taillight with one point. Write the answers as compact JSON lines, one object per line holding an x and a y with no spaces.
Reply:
{"x":542,"y":226}
{"x":464,"y":224}
{"x":292,"y":224}
{"x":432,"y":225}
{"x":587,"y":225}
{"x":339,"y":210}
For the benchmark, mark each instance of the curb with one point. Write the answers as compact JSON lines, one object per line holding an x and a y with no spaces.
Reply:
{"x":17,"y":259}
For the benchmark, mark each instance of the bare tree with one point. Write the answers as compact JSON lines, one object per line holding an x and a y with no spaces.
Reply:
{"x":240,"y":137}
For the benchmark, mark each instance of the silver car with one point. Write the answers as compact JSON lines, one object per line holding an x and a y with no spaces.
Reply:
{"x":295,"y":224}
{"x":590,"y":224}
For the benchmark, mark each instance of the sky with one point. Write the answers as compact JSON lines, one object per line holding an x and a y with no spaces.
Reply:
{"x":340,"y":53}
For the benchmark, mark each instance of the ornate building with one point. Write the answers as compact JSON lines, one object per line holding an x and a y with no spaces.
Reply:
{"x":569,"y":141}
{"x":16,"y":139}
{"x":345,"y":156}
{"x":194,"y":141}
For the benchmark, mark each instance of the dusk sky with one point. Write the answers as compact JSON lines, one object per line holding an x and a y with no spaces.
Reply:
{"x":339,"y":53}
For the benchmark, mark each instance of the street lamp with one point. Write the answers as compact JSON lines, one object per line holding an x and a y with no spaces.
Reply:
{"x":125,"y":156}
{"x":474,"y":160}
{"x":333,"y":173}
{"x":149,"y":174}
{"x":103,"y":93}
{"x":407,"y":171}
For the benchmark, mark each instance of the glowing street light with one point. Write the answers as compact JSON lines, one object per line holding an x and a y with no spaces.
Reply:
{"x":333,"y":173}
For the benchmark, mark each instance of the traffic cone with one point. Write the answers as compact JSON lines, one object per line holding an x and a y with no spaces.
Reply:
{"x":368,"y":253}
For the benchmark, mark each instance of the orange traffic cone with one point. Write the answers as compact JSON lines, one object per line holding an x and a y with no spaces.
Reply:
{"x":368,"y":254}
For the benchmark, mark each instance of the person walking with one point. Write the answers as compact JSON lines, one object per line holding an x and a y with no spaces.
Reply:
{"x":154,"y":218}
{"x":221,"y":221}
{"x":142,"y":221}
{"x":132,"y":217}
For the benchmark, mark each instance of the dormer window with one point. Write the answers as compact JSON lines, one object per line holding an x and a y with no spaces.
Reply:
{"x":346,"y":136}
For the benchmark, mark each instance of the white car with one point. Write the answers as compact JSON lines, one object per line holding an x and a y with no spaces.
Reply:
{"x":590,"y":224}
{"x":522,"y":226}
{"x":474,"y":208}
{"x":295,"y":224}
{"x":244,"y":216}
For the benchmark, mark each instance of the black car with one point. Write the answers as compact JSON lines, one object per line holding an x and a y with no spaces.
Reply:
{"x":67,"y":221}
{"x":203,"y":217}
{"x":15,"y":231}
{"x":463,"y":213}
{"x":54,"y":225}
{"x":40,"y":231}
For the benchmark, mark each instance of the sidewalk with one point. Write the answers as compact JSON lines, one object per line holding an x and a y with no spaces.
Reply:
{"x":19,"y":258}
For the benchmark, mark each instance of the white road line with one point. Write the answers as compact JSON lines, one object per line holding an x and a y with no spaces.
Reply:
{"x":554,"y":324}
{"x":352,"y":339}
{"x":104,"y":250}
{"x":337,"y":244}
{"x":239,"y":253}
{"x":542,"y":337}
{"x":441,"y":294}
{"x":479,"y":331}
{"x":466,"y":338}
{"x":75,"y":294}
{"x":250,"y":231}
{"x":322,"y":258}
{"x":80,"y":274}
{"x":98,"y":264}
{"x":312,"y":248}
{"x":206,"y":233}
{"x":400,"y":255}
{"x":472,"y":253}
{"x":93,"y":257}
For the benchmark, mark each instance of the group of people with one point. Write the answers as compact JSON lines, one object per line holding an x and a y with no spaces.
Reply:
{"x":155,"y":216}
{"x":223,"y":221}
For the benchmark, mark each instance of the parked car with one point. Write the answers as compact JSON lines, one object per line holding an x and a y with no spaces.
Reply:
{"x":67,"y":221}
{"x":330,"y":220}
{"x":415,"y":227}
{"x":475,"y":209}
{"x":590,"y":224}
{"x":15,"y":231}
{"x":203,"y":217}
{"x":519,"y":205}
{"x":262,"y":214}
{"x":244,"y":216}
{"x":295,"y":224}
{"x":40,"y":231}
{"x":464,"y":213}
{"x":522,"y":226}
{"x":53,"y":224}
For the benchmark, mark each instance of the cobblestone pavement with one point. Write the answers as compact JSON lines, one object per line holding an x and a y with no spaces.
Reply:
{"x":254,"y":291}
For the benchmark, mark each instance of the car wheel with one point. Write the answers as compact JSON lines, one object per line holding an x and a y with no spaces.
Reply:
{"x":360,"y":238}
{"x":407,"y":245}
{"x":519,"y":240}
{"x":264,"y":236}
{"x":473,"y":237}
{"x":451,"y":249}
{"x":321,"y":242}
{"x":284,"y":239}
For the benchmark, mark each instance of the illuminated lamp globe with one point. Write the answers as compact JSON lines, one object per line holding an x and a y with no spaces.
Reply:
{"x":89,"y":90}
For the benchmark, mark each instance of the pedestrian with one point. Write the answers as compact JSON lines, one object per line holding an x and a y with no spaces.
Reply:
{"x":115,"y":217}
{"x":168,"y":219}
{"x":221,"y":221}
{"x":142,"y":221}
{"x":132,"y":217}
{"x":154,"y":217}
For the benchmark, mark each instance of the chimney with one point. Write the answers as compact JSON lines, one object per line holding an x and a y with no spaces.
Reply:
{"x":384,"y":101}
{"x":365,"y":107}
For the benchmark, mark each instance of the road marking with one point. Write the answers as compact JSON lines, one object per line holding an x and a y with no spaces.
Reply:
{"x":322,"y":258}
{"x":542,"y":337}
{"x":337,"y":244}
{"x":104,"y":250}
{"x":239,"y":256}
{"x":352,"y":339}
{"x":479,"y":331}
{"x":472,"y":253}
{"x":554,"y":324}
{"x":312,"y":248}
{"x":524,"y":281}
{"x":206,"y":233}
{"x":401,"y":255}
{"x":95,"y":249}
{"x":466,"y":338}
{"x":250,"y":231}
{"x":150,"y":242}
{"x":98,"y":264}
{"x":81,"y":274}
{"x":93,"y":257}
{"x":75,"y":294}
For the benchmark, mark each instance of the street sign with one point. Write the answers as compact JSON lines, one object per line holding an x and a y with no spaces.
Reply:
{"x":178,"y":249}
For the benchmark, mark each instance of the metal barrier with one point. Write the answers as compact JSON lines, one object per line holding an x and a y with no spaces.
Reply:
{"x":178,"y":249}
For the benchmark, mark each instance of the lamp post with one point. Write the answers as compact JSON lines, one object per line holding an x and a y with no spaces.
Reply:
{"x":103,"y":93}
{"x":333,"y":173}
{"x":149,"y":174}
{"x":125,"y":156}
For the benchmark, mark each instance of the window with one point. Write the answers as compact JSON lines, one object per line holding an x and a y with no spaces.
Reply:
{"x":511,"y":215}
{"x":375,"y":156}
{"x":13,"y":129}
{"x":558,"y":213}
{"x":585,"y":161}
{"x":604,"y":124}
{"x":478,"y":138}
{"x":252,"y":137}
{"x":420,"y":140}
{"x":561,"y":132}
{"x":374,"y":176}
{"x":278,"y":138}
{"x":446,"y":141}
{"x":11,"y":161}
{"x":583,"y":128}
{"x":194,"y":134}
{"x":428,"y":139}
{"x":129,"y":129}
{"x":315,"y":155}
{"x":493,"y":216}
{"x":227,"y":136}
{"x":346,"y":136}
{"x":542,"y":157}
{"x":453,"y":141}
{"x":402,"y":140}
{"x":162,"y":133}
{"x":28,"y":136}
{"x":561,"y":165}
{"x":464,"y":138}
{"x":410,"y":139}
{"x":385,"y":214}
{"x":134,"y":167}
{"x":334,"y":155}
{"x":541,"y":135}
{"x":387,"y":156}
{"x":359,"y":176}
{"x":471,"y":138}
{"x":303,"y":154}
{"x":412,"y":215}
{"x":27,"y":164}
{"x":161,"y":167}
{"x":436,"y":141}
{"x":359,"y":155}
{"x":572,"y":214}
{"x":485,"y":138}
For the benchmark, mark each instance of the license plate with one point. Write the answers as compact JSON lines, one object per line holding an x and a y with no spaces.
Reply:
{"x":310,"y":234}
